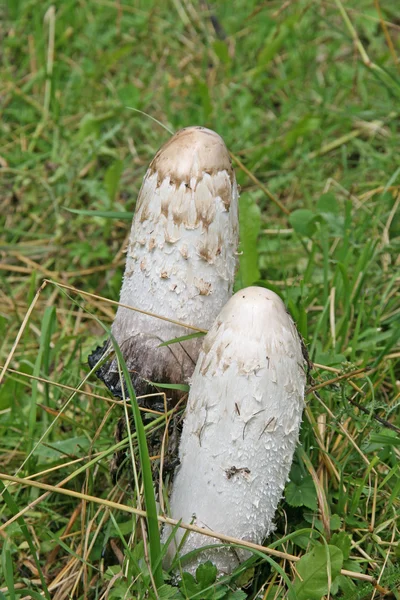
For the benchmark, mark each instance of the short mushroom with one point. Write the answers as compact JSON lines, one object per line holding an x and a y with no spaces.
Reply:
{"x":181,"y":260}
{"x":241,"y":428}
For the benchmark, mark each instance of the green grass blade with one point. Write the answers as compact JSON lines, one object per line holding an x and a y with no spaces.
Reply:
{"x":149,"y":497}
{"x":106,"y":214}
{"x":184,"y":338}
{"x":42,"y":361}
{"x":8,"y":571}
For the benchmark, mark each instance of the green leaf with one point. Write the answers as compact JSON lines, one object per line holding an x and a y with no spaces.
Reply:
{"x":206,"y":574}
{"x":168,"y":592}
{"x":250,"y":225}
{"x":301,"y":492}
{"x":304,"y":221}
{"x":335,"y":523}
{"x":313,"y":569}
{"x":188,"y":585}
{"x":112,"y":178}
{"x":342,"y":540}
{"x":346,"y":585}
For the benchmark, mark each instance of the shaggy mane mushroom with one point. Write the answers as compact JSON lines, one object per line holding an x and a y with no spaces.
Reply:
{"x":241,"y":427}
{"x":180,"y":263}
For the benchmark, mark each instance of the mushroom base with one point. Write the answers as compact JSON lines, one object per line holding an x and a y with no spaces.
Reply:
{"x":139,"y":353}
{"x":148,"y":365}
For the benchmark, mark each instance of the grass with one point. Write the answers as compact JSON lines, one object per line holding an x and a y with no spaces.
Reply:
{"x":306,"y":96}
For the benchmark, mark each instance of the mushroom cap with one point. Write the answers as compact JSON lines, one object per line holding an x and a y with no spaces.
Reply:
{"x":241,"y":426}
{"x":191,"y":153}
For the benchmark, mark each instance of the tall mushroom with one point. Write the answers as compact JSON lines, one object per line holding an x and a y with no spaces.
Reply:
{"x":181,"y":259}
{"x":241,"y":427}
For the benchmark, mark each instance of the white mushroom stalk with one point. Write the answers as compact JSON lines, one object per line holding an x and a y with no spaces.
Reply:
{"x":181,"y":259}
{"x":241,"y":427}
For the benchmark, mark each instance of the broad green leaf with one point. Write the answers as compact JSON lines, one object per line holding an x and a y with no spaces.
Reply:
{"x":342,"y":540}
{"x":250,"y":225}
{"x":329,"y":210}
{"x":169,"y":592}
{"x":313,"y":570}
{"x":335,"y":523}
{"x":304,"y":221}
{"x":347,"y":586}
{"x":301,"y":492}
{"x":206,"y":574}
{"x":188,"y":585}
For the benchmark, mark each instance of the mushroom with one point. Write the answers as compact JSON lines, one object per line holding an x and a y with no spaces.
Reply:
{"x":181,"y":260}
{"x":240,"y":429}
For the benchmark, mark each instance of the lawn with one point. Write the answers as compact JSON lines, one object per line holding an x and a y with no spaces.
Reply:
{"x":306,"y":96}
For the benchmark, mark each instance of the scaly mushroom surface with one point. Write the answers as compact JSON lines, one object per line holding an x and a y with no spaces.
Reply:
{"x":181,"y":260}
{"x":241,"y":427}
